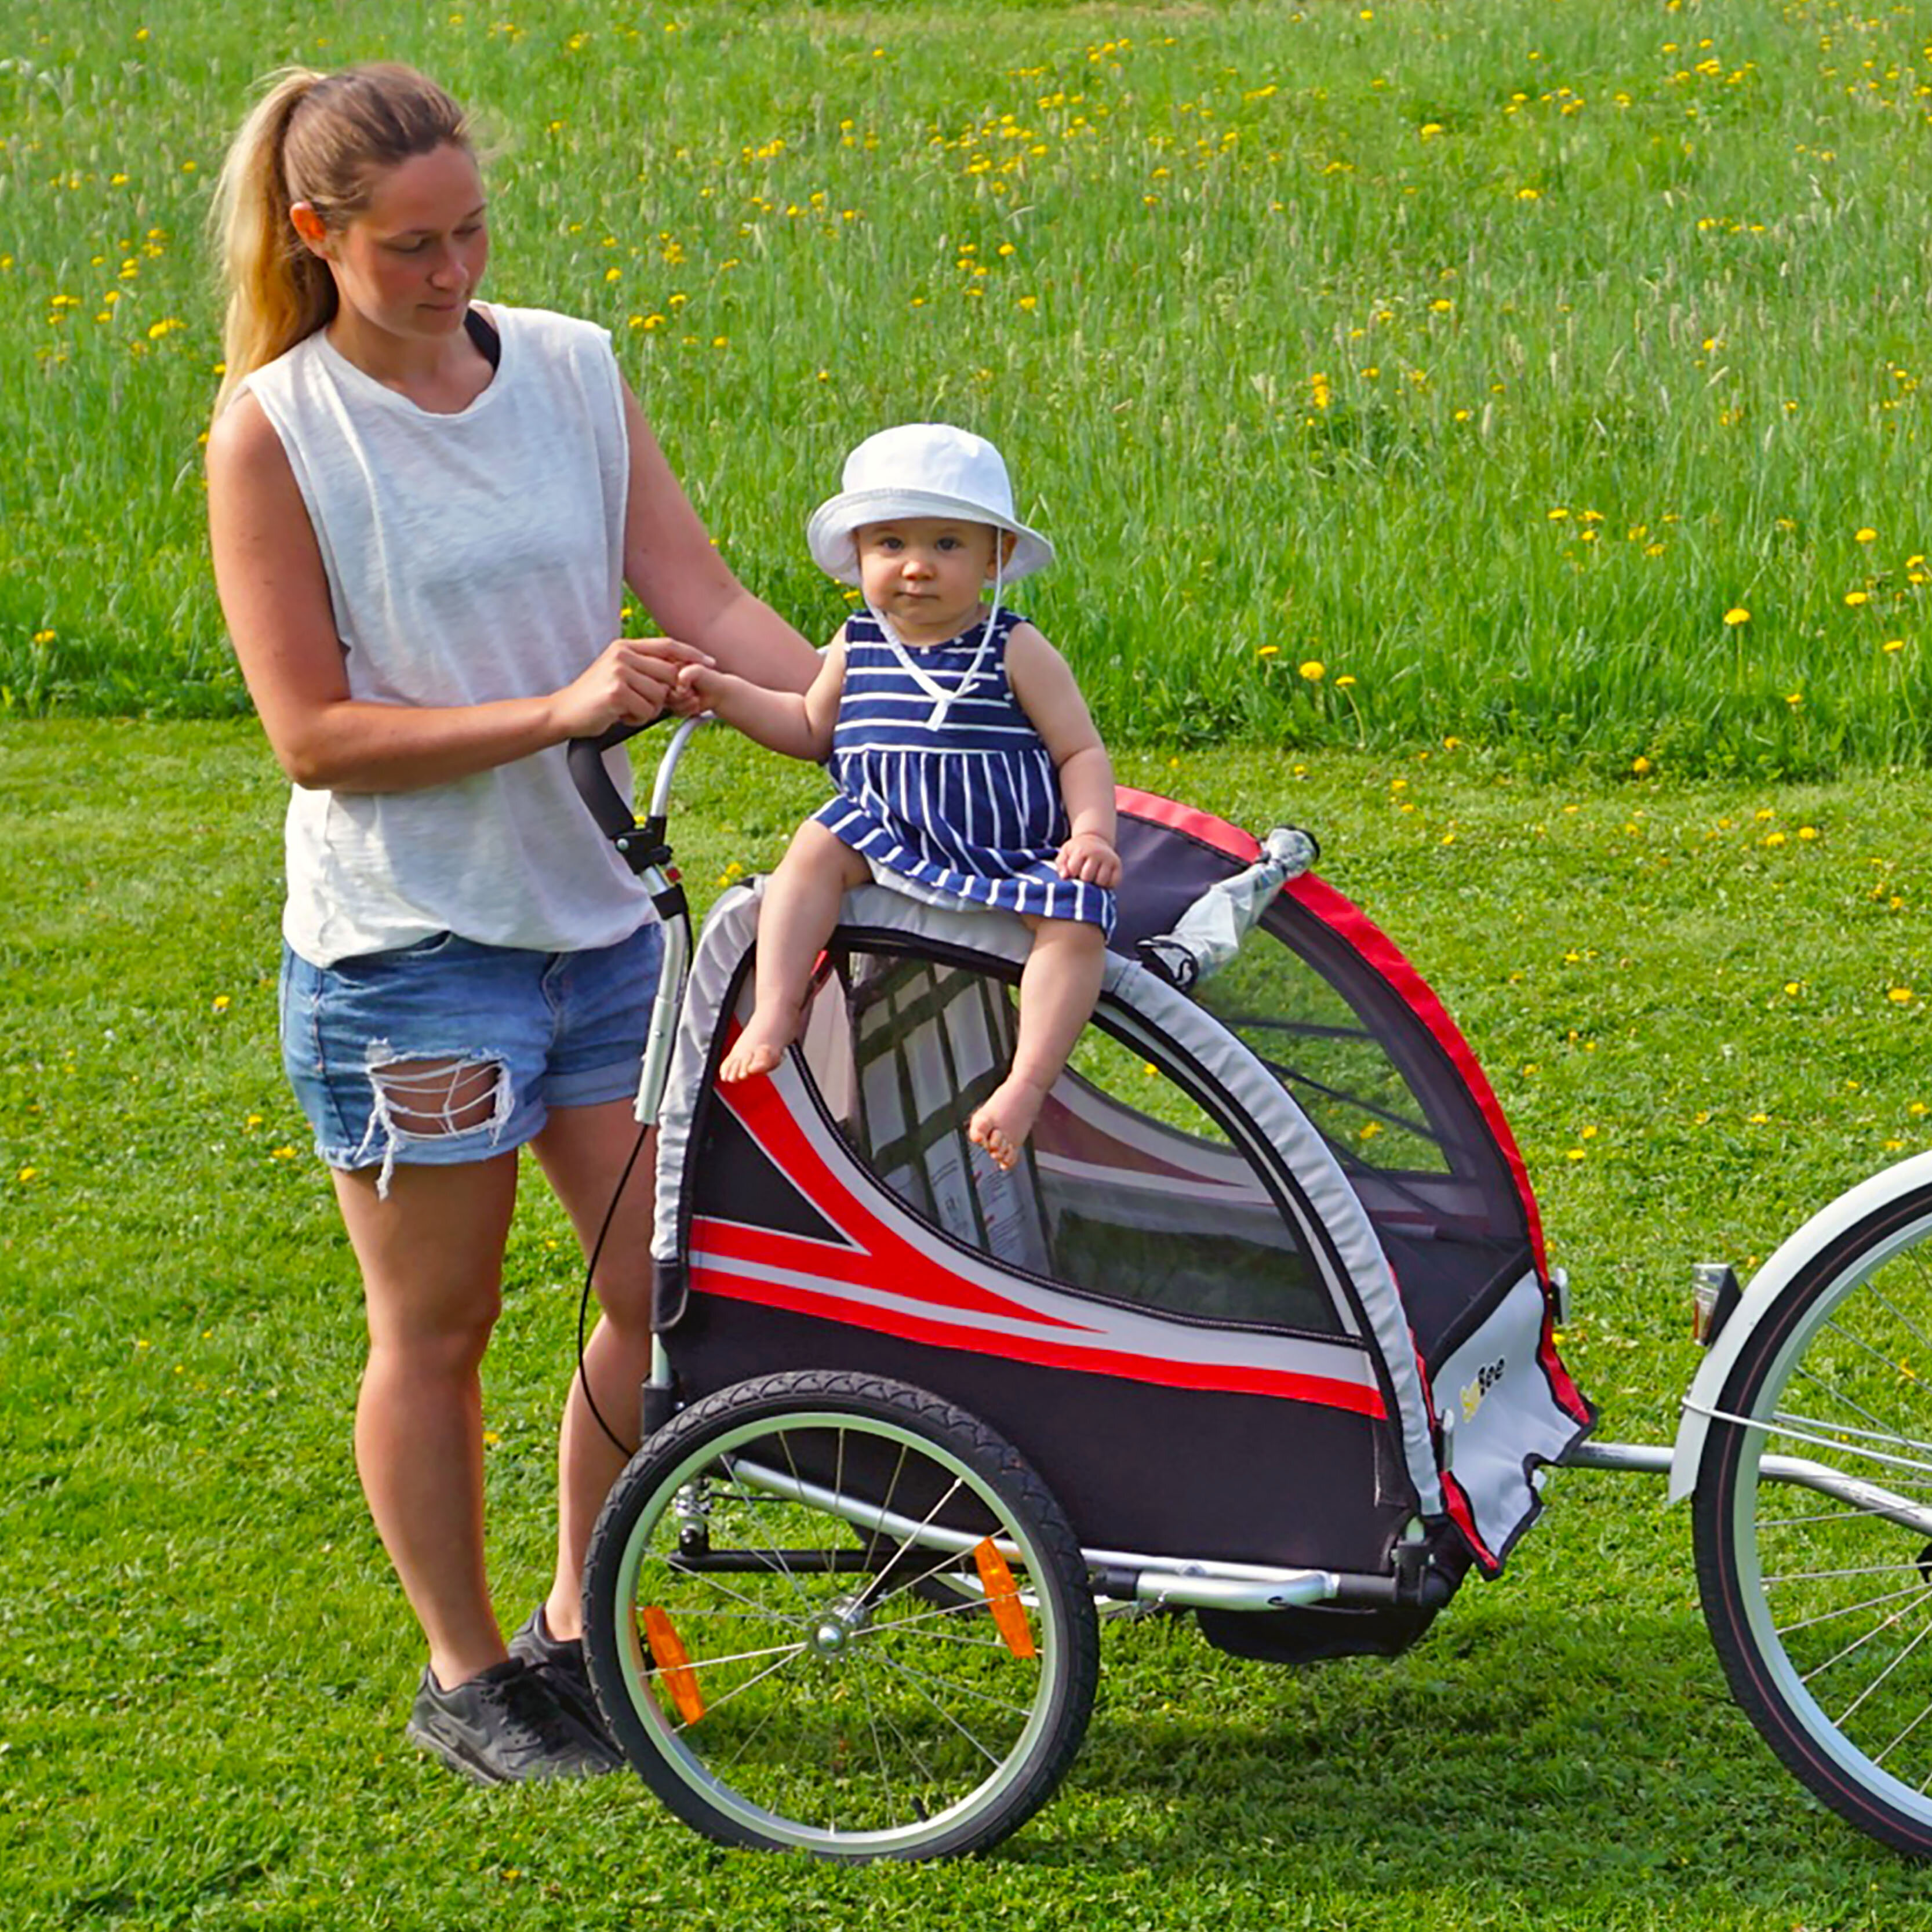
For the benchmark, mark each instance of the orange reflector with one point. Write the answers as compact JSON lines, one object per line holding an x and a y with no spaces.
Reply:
{"x":674,"y":1663}
{"x":1003,"y":1598}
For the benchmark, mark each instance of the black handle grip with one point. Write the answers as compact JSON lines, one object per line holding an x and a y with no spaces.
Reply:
{"x":604,"y":802}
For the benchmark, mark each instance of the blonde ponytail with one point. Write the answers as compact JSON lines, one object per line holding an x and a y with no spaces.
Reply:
{"x":323,"y":139}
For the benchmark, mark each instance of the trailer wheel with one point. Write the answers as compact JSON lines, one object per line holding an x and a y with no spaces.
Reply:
{"x":766,"y":1641}
{"x":1812,"y":1511}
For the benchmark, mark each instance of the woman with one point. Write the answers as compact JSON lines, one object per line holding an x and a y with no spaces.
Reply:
{"x":422,"y":514}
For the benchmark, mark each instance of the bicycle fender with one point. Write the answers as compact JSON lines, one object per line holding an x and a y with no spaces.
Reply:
{"x":1793,"y":1256}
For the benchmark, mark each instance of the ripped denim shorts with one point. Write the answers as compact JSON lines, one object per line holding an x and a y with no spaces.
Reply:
{"x":447,"y":1051}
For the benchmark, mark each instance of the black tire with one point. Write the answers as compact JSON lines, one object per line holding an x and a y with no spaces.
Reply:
{"x":1820,"y":1601}
{"x":764,"y":1641}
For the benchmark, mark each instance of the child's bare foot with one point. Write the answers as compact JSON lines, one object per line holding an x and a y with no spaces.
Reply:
{"x":757,"y":1050}
{"x":1002,"y":1125}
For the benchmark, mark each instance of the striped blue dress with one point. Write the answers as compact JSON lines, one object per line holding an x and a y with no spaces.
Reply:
{"x":972,"y":808}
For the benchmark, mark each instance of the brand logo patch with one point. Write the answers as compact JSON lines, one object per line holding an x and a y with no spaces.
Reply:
{"x":1486,"y":1380}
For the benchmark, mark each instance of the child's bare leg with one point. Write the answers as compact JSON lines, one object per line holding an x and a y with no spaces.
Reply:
{"x":1058,"y":985}
{"x":799,"y":909}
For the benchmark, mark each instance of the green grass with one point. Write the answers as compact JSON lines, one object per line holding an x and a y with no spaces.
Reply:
{"x":1485,"y":353}
{"x":208,"y":1662}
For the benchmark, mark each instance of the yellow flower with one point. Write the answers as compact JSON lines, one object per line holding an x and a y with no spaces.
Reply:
{"x":1640,"y":766}
{"x":1737,"y":615}
{"x":1856,"y":598}
{"x":1314,"y":669}
{"x":1342,"y":682}
{"x":1557,"y":515}
{"x":1900,"y":996}
{"x":1894,"y":644}
{"x":1269,"y":651}
{"x":1864,"y":536}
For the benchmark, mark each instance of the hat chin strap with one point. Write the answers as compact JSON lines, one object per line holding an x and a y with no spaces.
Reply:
{"x":944,"y":699}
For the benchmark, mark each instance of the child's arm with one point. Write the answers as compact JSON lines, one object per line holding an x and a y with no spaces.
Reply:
{"x":1052,"y":699}
{"x":798,"y":724}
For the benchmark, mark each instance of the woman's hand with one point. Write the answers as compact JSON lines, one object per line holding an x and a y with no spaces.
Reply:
{"x":632,"y":681}
{"x":1091,"y":858}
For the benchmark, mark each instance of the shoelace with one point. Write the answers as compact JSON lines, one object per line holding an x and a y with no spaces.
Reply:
{"x":532,"y":1709}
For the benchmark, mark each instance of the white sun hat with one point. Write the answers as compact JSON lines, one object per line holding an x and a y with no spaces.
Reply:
{"x":920,"y":469}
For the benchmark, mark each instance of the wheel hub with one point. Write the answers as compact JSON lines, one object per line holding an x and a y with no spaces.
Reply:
{"x":841,"y":1622}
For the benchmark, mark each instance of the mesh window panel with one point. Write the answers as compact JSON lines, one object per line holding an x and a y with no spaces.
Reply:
{"x":1129,"y":1189}
{"x":1394,"y":1110}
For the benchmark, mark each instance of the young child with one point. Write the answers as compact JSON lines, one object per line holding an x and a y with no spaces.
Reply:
{"x":968,"y":770}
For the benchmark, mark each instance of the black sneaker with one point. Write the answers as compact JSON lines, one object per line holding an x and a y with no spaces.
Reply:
{"x":559,"y":1662}
{"x":503,"y":1726}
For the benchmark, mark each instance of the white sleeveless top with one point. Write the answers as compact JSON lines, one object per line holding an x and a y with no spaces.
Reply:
{"x":469,"y":557}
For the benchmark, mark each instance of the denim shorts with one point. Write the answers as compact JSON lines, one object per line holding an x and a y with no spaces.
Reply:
{"x":508,"y":1034}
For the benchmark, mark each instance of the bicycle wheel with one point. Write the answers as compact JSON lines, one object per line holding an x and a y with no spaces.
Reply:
{"x":761,"y":1631}
{"x":1812,"y":1525}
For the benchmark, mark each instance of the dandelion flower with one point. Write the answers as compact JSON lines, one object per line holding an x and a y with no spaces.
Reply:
{"x":1856,"y":598}
{"x":1737,"y":615}
{"x":1894,"y":644}
{"x":1314,"y":669}
{"x":1269,"y":651}
{"x":1900,"y":996}
{"x":1864,"y":536}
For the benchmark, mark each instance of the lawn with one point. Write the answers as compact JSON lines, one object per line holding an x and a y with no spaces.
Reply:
{"x":1696,"y":1002}
{"x":1490,"y":432}
{"x":1544,"y":376}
